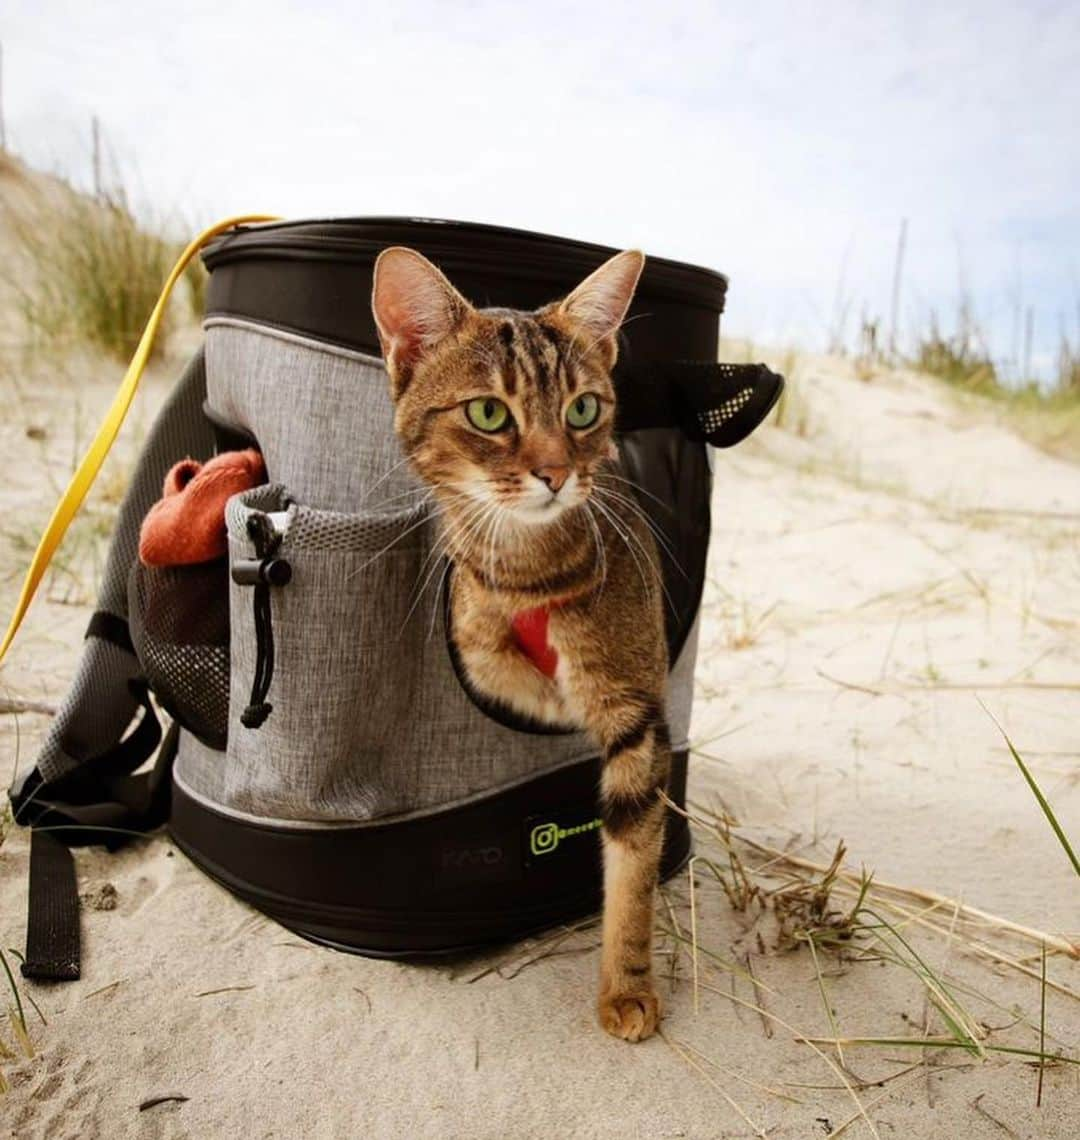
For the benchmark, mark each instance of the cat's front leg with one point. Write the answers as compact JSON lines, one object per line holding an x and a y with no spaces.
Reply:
{"x":497,"y":667}
{"x":493,"y":662}
{"x":637,"y":759}
{"x":502,"y":672}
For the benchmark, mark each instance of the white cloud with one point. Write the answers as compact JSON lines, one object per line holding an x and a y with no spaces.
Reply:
{"x":764,"y":141}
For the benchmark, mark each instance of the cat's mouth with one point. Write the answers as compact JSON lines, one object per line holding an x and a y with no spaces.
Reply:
{"x":540,"y":503}
{"x":541,"y":512}
{"x":531,"y":502}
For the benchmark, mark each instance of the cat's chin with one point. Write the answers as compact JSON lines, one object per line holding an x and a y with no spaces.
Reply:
{"x":532,"y":515}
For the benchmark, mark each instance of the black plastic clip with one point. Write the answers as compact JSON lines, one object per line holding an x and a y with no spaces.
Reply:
{"x":271,"y":571}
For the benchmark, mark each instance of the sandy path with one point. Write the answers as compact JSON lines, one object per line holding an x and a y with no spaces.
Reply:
{"x":903,"y":547}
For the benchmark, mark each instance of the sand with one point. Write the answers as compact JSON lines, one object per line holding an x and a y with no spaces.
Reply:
{"x":868,"y":580}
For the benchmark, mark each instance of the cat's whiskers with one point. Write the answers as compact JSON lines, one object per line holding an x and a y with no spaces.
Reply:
{"x":419,"y":493}
{"x":607,"y":473}
{"x":473,"y":514}
{"x":440,"y":586}
{"x":386,"y":475}
{"x":656,"y":567}
{"x":628,"y":504}
{"x":440,"y":531}
{"x":614,"y":524}
{"x":472,"y":536}
{"x":585,"y":351}
{"x":424,"y":521}
{"x":601,"y":552}
{"x":458,"y":530}
{"x":437,"y":509}
{"x":439,"y":547}
{"x":629,"y":537}
{"x":489,"y":536}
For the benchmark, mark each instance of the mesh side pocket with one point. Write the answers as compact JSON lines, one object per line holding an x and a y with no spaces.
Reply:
{"x":179,"y":617}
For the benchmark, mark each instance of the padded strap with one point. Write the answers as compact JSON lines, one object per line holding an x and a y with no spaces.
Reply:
{"x":132,"y":752}
{"x":713,"y":403}
{"x":52,"y":921}
{"x":98,"y":802}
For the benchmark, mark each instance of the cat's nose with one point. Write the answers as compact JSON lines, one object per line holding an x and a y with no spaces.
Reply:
{"x":553,"y":477}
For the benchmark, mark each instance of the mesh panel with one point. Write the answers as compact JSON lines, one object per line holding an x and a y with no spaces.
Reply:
{"x":98,"y":707}
{"x":713,"y":418}
{"x":329,"y":532}
{"x":179,"y":619}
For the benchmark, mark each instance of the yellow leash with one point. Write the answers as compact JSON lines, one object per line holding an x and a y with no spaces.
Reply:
{"x":86,"y":473}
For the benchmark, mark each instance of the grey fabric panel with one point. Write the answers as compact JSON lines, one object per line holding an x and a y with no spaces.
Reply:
{"x":322,"y":416}
{"x":98,"y":707}
{"x":204,"y":772}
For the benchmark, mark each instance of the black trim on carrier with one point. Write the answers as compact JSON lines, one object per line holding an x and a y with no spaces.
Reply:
{"x":526,"y":269}
{"x":510,"y":864}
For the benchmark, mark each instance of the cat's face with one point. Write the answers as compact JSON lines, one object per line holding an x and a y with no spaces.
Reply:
{"x":499,"y":408}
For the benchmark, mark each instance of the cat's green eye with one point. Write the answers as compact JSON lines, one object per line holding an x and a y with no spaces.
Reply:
{"x":583,"y":412}
{"x":487,"y":413}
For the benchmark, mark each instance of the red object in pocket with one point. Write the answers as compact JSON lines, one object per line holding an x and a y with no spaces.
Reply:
{"x":187,"y":526}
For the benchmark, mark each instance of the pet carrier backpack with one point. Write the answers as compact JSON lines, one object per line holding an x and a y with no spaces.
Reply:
{"x":327,"y":760}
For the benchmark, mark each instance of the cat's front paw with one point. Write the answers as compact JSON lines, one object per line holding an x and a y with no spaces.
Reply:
{"x":630,"y":1016}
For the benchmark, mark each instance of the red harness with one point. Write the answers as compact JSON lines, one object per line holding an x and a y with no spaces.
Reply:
{"x":530,"y":630}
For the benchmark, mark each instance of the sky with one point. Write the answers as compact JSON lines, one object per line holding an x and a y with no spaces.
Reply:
{"x":780,"y":143}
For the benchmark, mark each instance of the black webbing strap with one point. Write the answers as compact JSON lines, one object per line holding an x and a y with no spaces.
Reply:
{"x":713,"y":403}
{"x":52,"y":921}
{"x":99,"y":801}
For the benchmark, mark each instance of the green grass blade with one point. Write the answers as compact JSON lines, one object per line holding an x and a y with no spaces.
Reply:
{"x":1036,"y":791}
{"x":14,"y":988}
{"x":941,"y":1043}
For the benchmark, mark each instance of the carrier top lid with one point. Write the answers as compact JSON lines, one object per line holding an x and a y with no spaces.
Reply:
{"x":462,"y":246}
{"x":315,"y":277}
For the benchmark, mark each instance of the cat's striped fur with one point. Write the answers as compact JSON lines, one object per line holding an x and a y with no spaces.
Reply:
{"x":537,"y":513}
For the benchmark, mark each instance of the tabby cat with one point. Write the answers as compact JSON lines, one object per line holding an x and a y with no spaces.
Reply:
{"x":509,"y":417}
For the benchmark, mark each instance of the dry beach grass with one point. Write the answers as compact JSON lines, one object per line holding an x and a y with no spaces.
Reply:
{"x":878,"y":935}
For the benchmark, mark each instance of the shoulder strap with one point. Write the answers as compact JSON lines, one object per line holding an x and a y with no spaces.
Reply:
{"x":103,"y":804}
{"x":99,"y":800}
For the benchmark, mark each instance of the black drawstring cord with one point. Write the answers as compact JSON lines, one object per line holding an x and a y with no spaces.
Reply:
{"x":267,"y":571}
{"x":259,"y":708}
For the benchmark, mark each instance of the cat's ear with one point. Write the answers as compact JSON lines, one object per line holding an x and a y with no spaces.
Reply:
{"x":600,"y":302}
{"x":415,"y":307}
